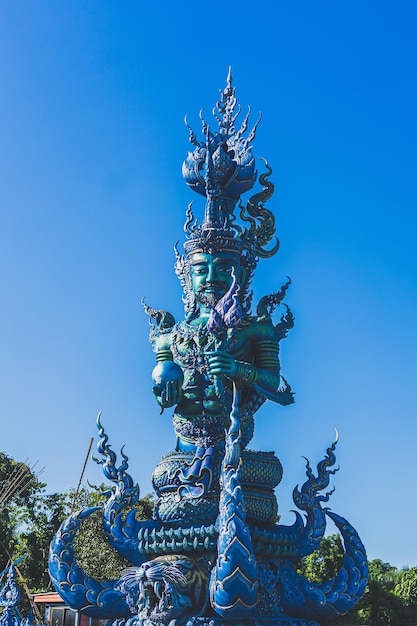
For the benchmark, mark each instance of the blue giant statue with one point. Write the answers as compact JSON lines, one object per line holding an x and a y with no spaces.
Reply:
{"x":213,"y":552}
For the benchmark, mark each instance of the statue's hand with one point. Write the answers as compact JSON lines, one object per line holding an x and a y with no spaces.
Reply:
{"x":222,"y":364}
{"x":168,"y":396}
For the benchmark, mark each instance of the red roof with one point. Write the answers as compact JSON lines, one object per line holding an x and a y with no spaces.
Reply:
{"x":49,"y":597}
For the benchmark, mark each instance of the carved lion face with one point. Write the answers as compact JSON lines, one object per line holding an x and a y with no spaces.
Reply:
{"x":166,"y":588}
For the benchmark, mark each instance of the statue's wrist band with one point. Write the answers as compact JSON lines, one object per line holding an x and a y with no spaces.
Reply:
{"x":164,"y":355}
{"x":246,"y":373}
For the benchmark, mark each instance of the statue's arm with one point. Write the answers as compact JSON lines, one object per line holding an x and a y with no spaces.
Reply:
{"x":255,"y":360}
{"x":167,"y":375}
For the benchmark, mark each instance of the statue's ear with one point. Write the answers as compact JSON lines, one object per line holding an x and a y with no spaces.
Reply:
{"x":187,"y":274}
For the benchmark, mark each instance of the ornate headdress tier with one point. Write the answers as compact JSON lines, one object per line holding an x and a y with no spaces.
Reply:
{"x":222,"y":168}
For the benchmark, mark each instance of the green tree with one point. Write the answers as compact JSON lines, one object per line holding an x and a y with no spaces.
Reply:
{"x":34,"y":532}
{"x":379,"y":606}
{"x":406,"y":591}
{"x":27,"y":523}
{"x":406,"y":587}
{"x":383,"y":573}
{"x":20,"y":492}
{"x":29,"y":519}
{"x":324,"y":563}
{"x":94,"y":554}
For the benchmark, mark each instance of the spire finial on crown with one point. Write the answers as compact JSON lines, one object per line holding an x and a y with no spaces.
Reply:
{"x":222,"y":168}
{"x":229,"y":77}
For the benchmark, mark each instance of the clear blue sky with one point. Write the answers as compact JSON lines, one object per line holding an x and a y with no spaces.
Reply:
{"x":93,"y":96}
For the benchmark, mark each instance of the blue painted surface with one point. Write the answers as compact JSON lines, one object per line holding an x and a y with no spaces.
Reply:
{"x":214,"y":552}
{"x":9,"y":600}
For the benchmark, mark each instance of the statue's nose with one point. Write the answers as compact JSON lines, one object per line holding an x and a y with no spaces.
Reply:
{"x":211,"y":274}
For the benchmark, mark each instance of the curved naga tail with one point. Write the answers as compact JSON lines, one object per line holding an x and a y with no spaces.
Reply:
{"x":304,"y":535}
{"x":302,"y":598}
{"x":122,"y":529}
{"x":96,"y":598}
{"x":233,"y":584}
{"x":309,"y":499}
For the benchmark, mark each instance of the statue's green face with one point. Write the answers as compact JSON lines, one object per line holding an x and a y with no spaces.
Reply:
{"x":212,"y":274}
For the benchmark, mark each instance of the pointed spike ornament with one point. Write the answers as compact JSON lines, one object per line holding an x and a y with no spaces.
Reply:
{"x":222,"y":168}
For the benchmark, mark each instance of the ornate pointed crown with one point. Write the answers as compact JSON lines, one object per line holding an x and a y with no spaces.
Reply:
{"x":222,"y":168}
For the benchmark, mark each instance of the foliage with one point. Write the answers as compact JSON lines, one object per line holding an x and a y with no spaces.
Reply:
{"x":34,"y":533}
{"x":324,"y":563}
{"x":384,"y":574}
{"x":380,"y":606}
{"x":28,"y":520}
{"x":390,"y":597}
{"x":406,"y":591}
{"x":94,"y":554}
{"x":17,"y":498}
{"x":406,"y":587}
{"x":36,"y":526}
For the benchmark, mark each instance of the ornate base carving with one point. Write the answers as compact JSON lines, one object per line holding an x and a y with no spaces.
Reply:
{"x":261,"y":473}
{"x":280,"y":621}
{"x":218,"y":621}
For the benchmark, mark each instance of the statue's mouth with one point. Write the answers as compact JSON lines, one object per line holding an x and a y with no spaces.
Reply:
{"x":211,"y":294}
{"x":153,"y":599}
{"x":217,"y":288}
